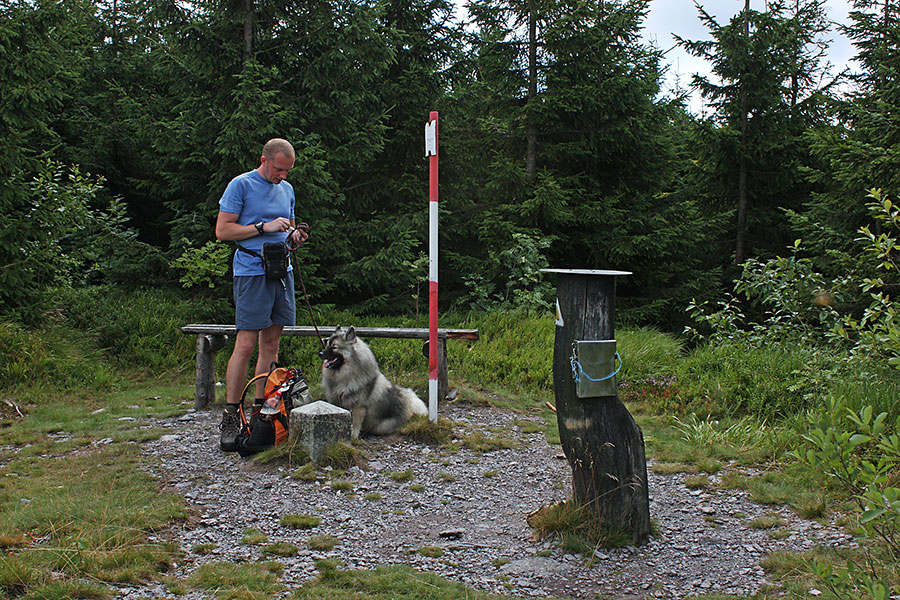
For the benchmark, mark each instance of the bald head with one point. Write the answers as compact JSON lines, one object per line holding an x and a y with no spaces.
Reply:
{"x":277,"y":146}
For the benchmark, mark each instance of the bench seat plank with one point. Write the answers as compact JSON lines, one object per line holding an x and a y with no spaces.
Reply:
{"x":419,"y":333}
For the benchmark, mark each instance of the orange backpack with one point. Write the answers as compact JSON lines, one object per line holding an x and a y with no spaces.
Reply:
{"x":283,"y":389}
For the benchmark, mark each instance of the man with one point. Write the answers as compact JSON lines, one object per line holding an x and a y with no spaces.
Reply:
{"x":256,"y":208}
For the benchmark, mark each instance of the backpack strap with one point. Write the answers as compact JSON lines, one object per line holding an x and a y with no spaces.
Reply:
{"x":248,"y":251}
{"x":244,"y":393}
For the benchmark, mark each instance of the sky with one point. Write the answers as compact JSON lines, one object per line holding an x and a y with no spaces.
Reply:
{"x":681,"y":17}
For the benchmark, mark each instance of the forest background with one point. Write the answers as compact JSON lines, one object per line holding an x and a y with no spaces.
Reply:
{"x":123,"y":121}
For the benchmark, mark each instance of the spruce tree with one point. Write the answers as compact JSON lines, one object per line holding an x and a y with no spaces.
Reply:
{"x":767,"y":92}
{"x":858,"y":148}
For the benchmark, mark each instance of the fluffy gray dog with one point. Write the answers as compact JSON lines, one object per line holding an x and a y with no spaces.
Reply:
{"x":352,"y":380}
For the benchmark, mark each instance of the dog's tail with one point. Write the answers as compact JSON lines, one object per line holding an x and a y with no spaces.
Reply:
{"x":413,"y":403}
{"x":403,"y":404}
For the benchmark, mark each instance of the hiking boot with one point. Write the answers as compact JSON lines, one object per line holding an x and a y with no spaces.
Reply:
{"x":230,"y":427}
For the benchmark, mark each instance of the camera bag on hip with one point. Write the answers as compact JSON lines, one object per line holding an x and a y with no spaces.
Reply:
{"x":275,"y":259}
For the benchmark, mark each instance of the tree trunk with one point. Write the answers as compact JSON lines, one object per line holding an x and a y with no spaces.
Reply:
{"x":248,"y":30}
{"x":530,"y":132}
{"x":603,"y":444}
{"x":795,"y":73}
{"x":740,"y":252}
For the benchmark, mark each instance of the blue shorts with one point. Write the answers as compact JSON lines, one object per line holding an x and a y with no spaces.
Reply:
{"x":260,"y":303}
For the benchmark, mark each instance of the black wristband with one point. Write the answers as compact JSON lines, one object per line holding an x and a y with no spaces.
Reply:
{"x":259,"y":227}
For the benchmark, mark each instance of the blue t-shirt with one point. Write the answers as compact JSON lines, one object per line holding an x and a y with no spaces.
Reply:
{"x":254,"y":199}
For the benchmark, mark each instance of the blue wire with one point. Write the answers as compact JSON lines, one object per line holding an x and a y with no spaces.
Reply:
{"x":576,"y":373}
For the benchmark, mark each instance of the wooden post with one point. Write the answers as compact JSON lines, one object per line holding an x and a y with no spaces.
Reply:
{"x":443,"y":387}
{"x":602,"y":442}
{"x":205,"y":390}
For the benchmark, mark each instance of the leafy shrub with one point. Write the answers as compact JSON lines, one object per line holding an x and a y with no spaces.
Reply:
{"x":789,"y":302}
{"x":513,"y":280}
{"x":206,"y":266}
{"x":861,"y":451}
{"x":64,"y":236}
{"x":876,"y":334}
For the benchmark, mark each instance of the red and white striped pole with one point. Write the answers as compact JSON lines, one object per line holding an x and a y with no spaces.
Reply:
{"x":431,"y":150}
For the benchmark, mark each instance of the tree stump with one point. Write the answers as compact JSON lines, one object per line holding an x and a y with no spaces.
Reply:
{"x":602,"y":442}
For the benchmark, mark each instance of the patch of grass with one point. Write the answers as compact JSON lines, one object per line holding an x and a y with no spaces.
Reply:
{"x":446,"y":477}
{"x":341,"y":486}
{"x":795,"y":489}
{"x":234,"y":581}
{"x":401,"y":476}
{"x":254,"y":537}
{"x":307,"y":472}
{"x":203,"y":549}
{"x":394,"y":582}
{"x":283,"y":549}
{"x":51,"y":353}
{"x":766,"y":522}
{"x":322,"y":543}
{"x":708,"y":465}
{"x":499,"y":562}
{"x":343,"y":456}
{"x":697,"y":483}
{"x":291,"y":452}
{"x":300,"y":521}
{"x":373,"y":496}
{"x":780,"y":534}
{"x":417,"y":487}
{"x":480,"y":443}
{"x":577,"y":528}
{"x":795,"y":571}
{"x":529,"y":427}
{"x":733,"y":379}
{"x":421,"y":429}
{"x":705,"y":444}
{"x":742,"y":434}
{"x":490,"y":473}
{"x":78,"y":511}
{"x":431,"y":551}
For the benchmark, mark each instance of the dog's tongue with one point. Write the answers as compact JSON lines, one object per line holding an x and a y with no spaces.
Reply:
{"x":329,"y":363}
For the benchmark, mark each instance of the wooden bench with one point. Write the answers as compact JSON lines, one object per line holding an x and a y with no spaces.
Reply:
{"x":211,"y":338}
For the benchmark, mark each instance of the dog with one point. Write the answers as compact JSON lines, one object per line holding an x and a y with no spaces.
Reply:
{"x":352,"y":380}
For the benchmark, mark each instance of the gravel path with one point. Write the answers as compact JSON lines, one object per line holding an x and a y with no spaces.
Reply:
{"x":472,"y":506}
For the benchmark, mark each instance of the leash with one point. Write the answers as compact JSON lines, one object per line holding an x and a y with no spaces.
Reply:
{"x":293,"y":249}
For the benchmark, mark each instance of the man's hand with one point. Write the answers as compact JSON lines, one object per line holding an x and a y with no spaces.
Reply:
{"x":299,"y":235}
{"x":279,"y":224}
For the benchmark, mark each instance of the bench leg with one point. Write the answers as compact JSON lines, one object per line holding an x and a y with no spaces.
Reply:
{"x":443,"y":378}
{"x":205,"y":391}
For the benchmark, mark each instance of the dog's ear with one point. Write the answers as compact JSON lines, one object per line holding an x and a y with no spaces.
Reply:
{"x":337,"y":331}
{"x":351,"y":334}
